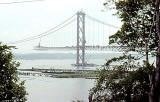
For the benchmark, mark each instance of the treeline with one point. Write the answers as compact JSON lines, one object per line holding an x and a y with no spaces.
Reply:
{"x":140,"y":29}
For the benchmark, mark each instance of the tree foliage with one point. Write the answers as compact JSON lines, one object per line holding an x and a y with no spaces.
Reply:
{"x":137,"y":29}
{"x":11,"y":89}
{"x":123,"y":83}
{"x":130,"y":81}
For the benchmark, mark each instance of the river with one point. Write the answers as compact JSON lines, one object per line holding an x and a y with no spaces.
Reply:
{"x":47,"y":89}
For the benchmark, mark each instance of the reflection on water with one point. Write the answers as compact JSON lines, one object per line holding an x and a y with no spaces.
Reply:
{"x":46,"y":89}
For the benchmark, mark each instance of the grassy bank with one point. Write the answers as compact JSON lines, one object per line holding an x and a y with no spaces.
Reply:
{"x":76,"y":75}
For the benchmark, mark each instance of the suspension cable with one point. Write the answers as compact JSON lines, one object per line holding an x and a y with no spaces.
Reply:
{"x":16,"y":2}
{"x":94,"y":19}
{"x":48,"y":32}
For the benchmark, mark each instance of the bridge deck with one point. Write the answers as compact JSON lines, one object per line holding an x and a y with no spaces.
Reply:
{"x":102,"y":48}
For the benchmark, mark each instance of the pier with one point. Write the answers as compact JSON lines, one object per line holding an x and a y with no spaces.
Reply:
{"x":59,"y":73}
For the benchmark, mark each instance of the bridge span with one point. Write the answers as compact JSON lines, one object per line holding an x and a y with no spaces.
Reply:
{"x":93,"y":48}
{"x":84,"y":35}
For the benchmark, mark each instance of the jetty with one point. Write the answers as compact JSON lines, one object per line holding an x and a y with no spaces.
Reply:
{"x":60,"y":73}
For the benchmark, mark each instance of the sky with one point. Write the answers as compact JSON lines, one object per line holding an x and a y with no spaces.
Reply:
{"x":22,"y":20}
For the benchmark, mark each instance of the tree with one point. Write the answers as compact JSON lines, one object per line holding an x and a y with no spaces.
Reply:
{"x":11,"y":89}
{"x":155,"y":82}
{"x":139,"y":32}
{"x":136,"y":32}
{"x":123,"y":83}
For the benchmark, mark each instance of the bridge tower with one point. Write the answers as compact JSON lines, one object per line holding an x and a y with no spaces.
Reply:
{"x":81,"y":41}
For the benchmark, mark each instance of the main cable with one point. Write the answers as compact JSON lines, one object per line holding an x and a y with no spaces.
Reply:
{"x":16,"y":42}
{"x":16,"y":2}
{"x":94,"y":19}
{"x":46,"y":32}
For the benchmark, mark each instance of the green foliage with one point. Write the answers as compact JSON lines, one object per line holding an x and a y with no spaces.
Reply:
{"x":128,"y":81}
{"x":10,"y":88}
{"x":138,"y":26}
{"x":123,"y":83}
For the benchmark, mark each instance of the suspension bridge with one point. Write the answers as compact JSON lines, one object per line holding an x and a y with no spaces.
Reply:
{"x":83,"y":37}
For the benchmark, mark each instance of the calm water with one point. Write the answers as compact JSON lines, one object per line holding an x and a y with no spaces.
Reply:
{"x":60,"y":60}
{"x":57,"y":64}
{"x":46,"y":89}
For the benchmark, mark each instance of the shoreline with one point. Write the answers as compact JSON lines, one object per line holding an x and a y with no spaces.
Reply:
{"x":60,"y":73}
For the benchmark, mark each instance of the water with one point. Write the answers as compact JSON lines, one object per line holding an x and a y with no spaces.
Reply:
{"x":60,"y":60}
{"x":47,"y":89}
{"x":57,"y":64}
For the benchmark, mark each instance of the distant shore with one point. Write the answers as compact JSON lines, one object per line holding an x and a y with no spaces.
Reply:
{"x":60,"y":73}
{"x":76,"y":75}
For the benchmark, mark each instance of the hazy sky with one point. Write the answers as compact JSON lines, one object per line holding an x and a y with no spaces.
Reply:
{"x":22,"y":20}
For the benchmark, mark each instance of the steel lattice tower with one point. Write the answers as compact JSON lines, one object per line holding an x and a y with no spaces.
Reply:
{"x":81,"y":39}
